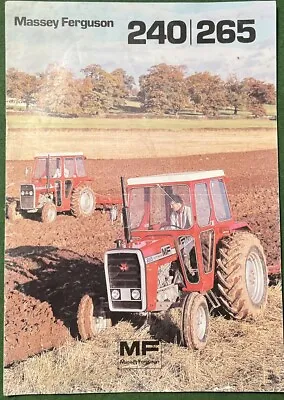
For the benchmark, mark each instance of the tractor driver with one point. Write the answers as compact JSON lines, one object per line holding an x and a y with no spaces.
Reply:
{"x":181,"y":216}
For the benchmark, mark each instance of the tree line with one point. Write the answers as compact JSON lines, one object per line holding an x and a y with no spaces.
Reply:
{"x":163,"y":89}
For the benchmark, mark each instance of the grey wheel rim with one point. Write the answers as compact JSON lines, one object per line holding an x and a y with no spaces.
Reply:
{"x":99,"y":324}
{"x":51,"y":214}
{"x":200,"y":322}
{"x":255,"y":280}
{"x":86,"y":202}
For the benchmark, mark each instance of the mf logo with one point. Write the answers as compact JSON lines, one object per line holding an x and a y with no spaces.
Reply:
{"x":124,"y":267}
{"x":165,"y":250}
{"x":139,"y":347}
{"x":140,"y":354}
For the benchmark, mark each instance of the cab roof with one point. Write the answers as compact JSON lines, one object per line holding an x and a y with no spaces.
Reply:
{"x":61,"y":154}
{"x":176,"y":177}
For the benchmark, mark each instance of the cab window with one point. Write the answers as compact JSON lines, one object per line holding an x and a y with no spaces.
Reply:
{"x":80,"y":166}
{"x":203,"y":210}
{"x":55,"y":167}
{"x":220,"y":200}
{"x":40,"y":169}
{"x":151,"y":208}
{"x":69,"y":167}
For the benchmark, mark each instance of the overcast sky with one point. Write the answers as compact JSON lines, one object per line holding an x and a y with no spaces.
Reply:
{"x":31,"y":49}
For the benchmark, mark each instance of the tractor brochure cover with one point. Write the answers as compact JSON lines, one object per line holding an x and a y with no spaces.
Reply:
{"x":142,"y":239}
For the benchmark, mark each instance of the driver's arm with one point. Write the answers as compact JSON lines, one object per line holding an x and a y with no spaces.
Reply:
{"x":189,"y":215}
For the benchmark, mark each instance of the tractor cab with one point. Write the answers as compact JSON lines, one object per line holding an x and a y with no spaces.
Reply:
{"x":55,"y":165}
{"x":177,"y":201}
{"x":57,"y":174}
{"x":58,"y":183}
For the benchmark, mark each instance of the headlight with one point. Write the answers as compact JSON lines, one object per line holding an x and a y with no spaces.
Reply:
{"x":135,"y":294}
{"x":30,"y":193}
{"x":22,"y":193}
{"x":115,"y":294}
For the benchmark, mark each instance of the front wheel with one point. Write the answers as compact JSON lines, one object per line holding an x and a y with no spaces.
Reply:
{"x":195,"y":321}
{"x":12,"y":213}
{"x":48,"y":213}
{"x":241,"y":276}
{"x":91,"y":320}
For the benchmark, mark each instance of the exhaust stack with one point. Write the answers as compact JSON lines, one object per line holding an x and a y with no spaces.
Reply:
{"x":125,"y":216}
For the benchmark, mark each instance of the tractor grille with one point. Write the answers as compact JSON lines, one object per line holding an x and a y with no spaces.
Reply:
{"x":27,"y":197}
{"x":125,"y":272}
{"x":131,"y":277}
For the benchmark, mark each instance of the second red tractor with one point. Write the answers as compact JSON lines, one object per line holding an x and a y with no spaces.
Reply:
{"x":59,"y":183}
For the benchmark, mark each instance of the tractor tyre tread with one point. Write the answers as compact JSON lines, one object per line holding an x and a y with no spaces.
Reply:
{"x":85,"y":318}
{"x":189,"y":335}
{"x":45,"y":213}
{"x":85,"y":310}
{"x":76,"y":209}
{"x":230,"y":286}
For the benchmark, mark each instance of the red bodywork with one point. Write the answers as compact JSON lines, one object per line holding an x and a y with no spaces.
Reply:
{"x":151,"y":242}
{"x":62,"y":186}
{"x":58,"y":185}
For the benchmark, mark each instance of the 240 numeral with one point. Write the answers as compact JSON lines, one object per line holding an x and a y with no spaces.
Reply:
{"x":160,"y":35}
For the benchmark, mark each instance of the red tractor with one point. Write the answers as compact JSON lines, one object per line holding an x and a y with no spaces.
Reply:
{"x":59,"y":183}
{"x":182,"y":248}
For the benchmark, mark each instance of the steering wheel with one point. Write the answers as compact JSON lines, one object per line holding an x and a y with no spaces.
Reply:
{"x":163,"y":228}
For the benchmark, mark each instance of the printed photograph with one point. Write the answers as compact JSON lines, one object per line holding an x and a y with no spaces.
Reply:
{"x":142,"y":231}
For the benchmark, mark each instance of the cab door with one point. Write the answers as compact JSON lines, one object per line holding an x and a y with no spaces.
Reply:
{"x":68,"y":178}
{"x":205,"y":237}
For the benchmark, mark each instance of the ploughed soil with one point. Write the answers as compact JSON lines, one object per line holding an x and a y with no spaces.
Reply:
{"x":49,"y":267}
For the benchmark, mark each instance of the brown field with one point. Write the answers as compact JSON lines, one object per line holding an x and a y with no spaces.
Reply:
{"x":23,"y":144}
{"x":49,"y":268}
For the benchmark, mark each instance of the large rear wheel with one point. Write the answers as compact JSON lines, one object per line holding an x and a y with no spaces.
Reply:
{"x":241,"y":276}
{"x":83,"y":201}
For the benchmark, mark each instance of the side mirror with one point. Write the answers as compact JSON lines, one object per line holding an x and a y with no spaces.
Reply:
{"x":27,"y":171}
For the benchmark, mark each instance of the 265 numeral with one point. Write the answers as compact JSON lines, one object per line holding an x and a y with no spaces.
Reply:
{"x":225,"y":31}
